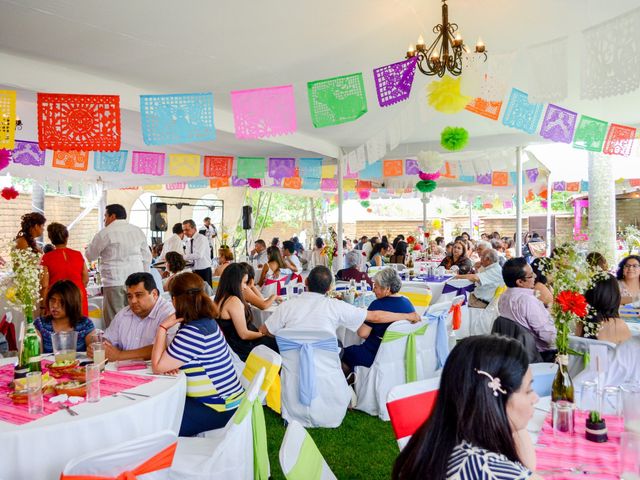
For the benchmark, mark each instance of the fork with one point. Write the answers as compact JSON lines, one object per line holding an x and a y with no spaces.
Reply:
{"x":120,"y":394}
{"x":69,"y":410}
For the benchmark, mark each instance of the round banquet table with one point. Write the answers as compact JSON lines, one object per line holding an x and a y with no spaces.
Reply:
{"x":40,"y":449}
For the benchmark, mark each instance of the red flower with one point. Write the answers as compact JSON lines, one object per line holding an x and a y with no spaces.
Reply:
{"x":9,"y":193}
{"x":417,"y":246}
{"x":427,"y":234}
{"x":411,"y":239}
{"x":572,"y":302}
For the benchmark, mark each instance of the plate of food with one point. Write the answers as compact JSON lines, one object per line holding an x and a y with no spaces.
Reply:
{"x":19,"y":397}
{"x":58,"y":369}
{"x":72,"y":388}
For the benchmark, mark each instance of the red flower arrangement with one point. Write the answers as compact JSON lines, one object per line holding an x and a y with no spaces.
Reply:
{"x":411,"y":239}
{"x":572,"y":302}
{"x":9,"y":193}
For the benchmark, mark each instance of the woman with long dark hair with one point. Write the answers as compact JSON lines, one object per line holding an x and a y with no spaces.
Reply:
{"x":458,"y":258}
{"x":252,"y":294}
{"x":378,"y":252}
{"x":235,"y":318}
{"x":274,"y":265}
{"x":213,"y":390}
{"x":478,"y":425}
{"x":604,"y":299}
{"x":400,"y":253}
{"x":31,"y":227}
{"x":64,"y":302}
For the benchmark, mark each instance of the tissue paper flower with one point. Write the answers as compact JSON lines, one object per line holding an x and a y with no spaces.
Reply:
{"x":430,"y":162}
{"x":426,"y":186}
{"x":9,"y":193}
{"x":444,"y":95}
{"x":454,"y":138}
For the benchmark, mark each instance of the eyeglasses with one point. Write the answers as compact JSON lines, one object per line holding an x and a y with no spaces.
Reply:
{"x":530,"y":276}
{"x":632,"y":265}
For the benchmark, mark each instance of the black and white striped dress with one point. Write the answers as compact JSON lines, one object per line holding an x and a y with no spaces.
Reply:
{"x":472,"y":463}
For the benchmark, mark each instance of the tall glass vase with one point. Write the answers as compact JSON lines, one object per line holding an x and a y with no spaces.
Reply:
{"x":31,"y":354}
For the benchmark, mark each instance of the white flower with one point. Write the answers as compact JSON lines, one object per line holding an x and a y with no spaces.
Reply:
{"x":430,"y":162}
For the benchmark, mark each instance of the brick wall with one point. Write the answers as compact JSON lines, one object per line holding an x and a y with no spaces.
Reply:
{"x":57,"y":209}
{"x":627,"y":212}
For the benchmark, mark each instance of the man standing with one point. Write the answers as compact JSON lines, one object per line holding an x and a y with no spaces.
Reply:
{"x":259,"y":253}
{"x":133,"y":330}
{"x":209,"y":231}
{"x":122,"y":249}
{"x":197,"y":250}
{"x":291,"y":260}
{"x":174,"y":243}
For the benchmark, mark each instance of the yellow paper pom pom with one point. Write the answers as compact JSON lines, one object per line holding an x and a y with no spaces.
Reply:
{"x":444,"y":95}
{"x":436,"y":223}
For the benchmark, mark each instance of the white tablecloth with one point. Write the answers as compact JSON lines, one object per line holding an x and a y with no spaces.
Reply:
{"x":40,"y":449}
{"x":542,"y":409}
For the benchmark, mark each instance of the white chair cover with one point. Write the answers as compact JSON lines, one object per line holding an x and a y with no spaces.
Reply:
{"x":543,"y":375}
{"x":481,"y":319}
{"x":409,"y":412}
{"x":124,"y":457}
{"x":225,"y":455}
{"x":373,"y":384}
{"x":419,"y":294}
{"x":329,"y":406}
{"x":95,"y":314}
{"x":264,"y":356}
{"x":300,"y":457}
{"x":580,"y":344}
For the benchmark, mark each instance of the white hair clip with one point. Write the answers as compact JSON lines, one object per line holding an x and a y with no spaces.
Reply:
{"x":494,"y":384}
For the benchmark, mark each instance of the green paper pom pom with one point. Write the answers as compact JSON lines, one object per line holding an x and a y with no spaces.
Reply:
{"x":365,"y":203}
{"x":426,"y":186}
{"x":454,"y":138}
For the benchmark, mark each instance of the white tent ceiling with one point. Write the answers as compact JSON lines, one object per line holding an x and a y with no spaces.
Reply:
{"x":160,"y":46}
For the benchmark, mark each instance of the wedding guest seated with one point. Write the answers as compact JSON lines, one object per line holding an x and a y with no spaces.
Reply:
{"x":629,"y":278}
{"x":274,"y":268}
{"x":606,"y":325}
{"x":596,"y":259}
{"x":131,"y":332}
{"x":386,"y":285}
{"x":481,"y":246}
{"x":378,"y":252}
{"x":252,"y":294}
{"x":314,"y":310}
{"x":625,"y":367}
{"x":351,"y":271}
{"x":319,"y":254}
{"x":290,"y":258}
{"x":541,"y":289}
{"x":458,"y":258}
{"x":519,"y":304}
{"x":64,"y":302}
{"x":199,"y":349}
{"x":259,"y":253}
{"x":478,"y":427}
{"x":498,"y":245}
{"x":487,"y":280}
{"x":175,"y":264}
{"x":225,"y":257}
{"x":234,"y":314}
{"x":400,"y":253}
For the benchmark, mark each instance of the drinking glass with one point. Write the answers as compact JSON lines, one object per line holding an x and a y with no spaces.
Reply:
{"x":92,"y":372}
{"x":98,"y":354}
{"x":610,"y":401}
{"x":631,"y":406}
{"x":589,"y":396}
{"x":563,"y":421}
{"x":34,"y":393}
{"x":64,"y":346}
{"x":363,"y":286}
{"x":630,"y":455}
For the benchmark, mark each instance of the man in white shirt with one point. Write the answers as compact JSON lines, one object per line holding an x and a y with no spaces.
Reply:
{"x":209,"y":231}
{"x":291,"y":260}
{"x":314,"y":310}
{"x":197,"y":250}
{"x":123,"y":250}
{"x":259,"y":253}
{"x":132,"y":331}
{"x":487,"y":280}
{"x":174,"y":243}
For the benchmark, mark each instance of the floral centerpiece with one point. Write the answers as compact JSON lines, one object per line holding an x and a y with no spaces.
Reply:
{"x":331,"y":248}
{"x":570,"y":276}
{"x":21,"y":289}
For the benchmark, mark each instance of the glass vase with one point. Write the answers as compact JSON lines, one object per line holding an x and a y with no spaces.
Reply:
{"x":562,"y":387}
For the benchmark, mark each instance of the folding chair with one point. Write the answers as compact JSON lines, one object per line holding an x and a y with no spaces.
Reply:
{"x":150,"y":456}
{"x":409,"y":405}
{"x":300,"y":458}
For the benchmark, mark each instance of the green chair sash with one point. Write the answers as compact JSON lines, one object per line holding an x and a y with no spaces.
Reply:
{"x":259,"y":431}
{"x":308,"y":465}
{"x":411,"y":370}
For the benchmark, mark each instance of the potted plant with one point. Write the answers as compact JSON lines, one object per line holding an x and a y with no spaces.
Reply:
{"x":596,"y":428}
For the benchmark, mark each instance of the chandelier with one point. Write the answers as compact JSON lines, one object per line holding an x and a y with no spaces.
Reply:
{"x":445,"y":53}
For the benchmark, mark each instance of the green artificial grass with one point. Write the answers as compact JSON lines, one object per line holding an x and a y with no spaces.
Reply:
{"x":363,"y":447}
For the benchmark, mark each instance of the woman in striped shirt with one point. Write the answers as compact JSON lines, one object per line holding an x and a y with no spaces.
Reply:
{"x":201,"y":352}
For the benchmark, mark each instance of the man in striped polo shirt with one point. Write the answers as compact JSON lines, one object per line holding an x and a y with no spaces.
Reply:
{"x":133,"y":329}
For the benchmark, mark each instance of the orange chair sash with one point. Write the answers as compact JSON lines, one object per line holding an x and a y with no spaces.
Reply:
{"x":457,"y":316}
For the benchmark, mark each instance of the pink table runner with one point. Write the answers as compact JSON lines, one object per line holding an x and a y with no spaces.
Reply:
{"x":110,"y":383}
{"x":564,"y":451}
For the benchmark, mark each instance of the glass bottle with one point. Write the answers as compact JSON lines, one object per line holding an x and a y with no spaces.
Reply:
{"x":562,"y":388}
{"x":31,"y":353}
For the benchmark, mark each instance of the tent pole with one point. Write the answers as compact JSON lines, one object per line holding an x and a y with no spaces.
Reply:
{"x":470,"y":218}
{"x":37,"y":202}
{"x":548,"y":234}
{"x":424,"y":212}
{"x":518,"y":241}
{"x":340,"y":225}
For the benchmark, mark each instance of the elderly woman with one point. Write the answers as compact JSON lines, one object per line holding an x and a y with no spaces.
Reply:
{"x":629,"y":279}
{"x":386,"y":285}
{"x":351,"y":271}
